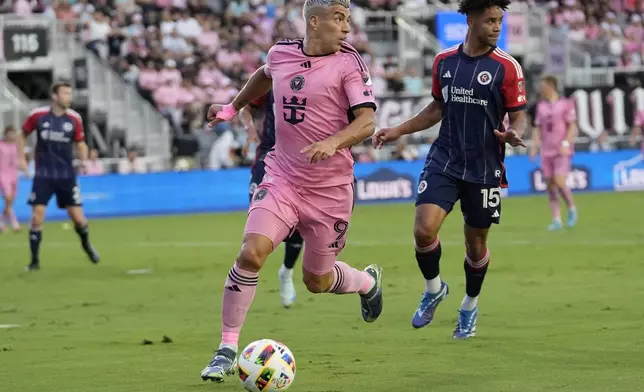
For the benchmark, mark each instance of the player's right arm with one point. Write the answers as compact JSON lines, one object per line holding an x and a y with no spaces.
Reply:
{"x":28,"y":127}
{"x":258,"y":85}
{"x":426,"y":118}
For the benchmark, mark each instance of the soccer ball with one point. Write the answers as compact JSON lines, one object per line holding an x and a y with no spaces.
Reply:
{"x":266,"y":365}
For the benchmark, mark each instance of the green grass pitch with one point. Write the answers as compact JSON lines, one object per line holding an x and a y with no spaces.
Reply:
{"x":559,"y":311}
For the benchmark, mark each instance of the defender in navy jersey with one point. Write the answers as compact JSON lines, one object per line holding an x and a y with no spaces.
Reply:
{"x":58,"y":129}
{"x":474,"y":85}
{"x":292,"y":244}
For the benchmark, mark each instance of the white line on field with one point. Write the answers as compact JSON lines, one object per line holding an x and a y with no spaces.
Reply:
{"x":358,"y":243}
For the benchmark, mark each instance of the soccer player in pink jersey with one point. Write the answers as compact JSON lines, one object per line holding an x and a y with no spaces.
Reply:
{"x":9,"y":177}
{"x":555,"y":130}
{"x":324,"y":104}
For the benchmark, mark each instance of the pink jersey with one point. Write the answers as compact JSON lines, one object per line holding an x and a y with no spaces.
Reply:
{"x":8,"y":159}
{"x":314,"y":99}
{"x":553,"y":119}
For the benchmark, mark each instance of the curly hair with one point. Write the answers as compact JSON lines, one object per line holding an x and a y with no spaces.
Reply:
{"x":468,"y":7}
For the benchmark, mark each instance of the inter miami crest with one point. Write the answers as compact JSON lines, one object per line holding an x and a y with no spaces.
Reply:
{"x":297,"y":83}
{"x":366,"y":79}
{"x":260,"y":194}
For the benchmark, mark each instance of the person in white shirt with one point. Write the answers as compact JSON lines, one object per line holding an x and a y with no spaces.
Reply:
{"x":188,"y":27}
{"x":132,"y":164}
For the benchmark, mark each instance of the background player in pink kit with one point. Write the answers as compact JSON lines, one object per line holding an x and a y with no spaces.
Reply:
{"x":555,"y":130}
{"x":9,"y":177}
{"x":324,"y":104}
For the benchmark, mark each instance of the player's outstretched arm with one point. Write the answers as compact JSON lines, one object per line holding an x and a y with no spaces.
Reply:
{"x":517,"y":127}
{"x":357,"y":131}
{"x":426,"y":118}
{"x":257,"y":86}
{"x":81,"y":150}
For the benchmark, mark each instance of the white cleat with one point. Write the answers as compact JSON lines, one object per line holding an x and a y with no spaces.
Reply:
{"x":287,"y":288}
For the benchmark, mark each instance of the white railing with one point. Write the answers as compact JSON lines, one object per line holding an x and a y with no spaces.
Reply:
{"x":14,"y":106}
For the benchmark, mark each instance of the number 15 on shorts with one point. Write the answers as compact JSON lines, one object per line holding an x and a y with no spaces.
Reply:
{"x":491,"y":199}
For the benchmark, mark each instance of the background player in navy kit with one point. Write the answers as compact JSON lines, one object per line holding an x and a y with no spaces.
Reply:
{"x":292,"y":244}
{"x":474,"y":85}
{"x":57,"y":128}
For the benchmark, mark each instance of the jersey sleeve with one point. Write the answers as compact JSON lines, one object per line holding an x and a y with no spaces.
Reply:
{"x":357,"y":82}
{"x":30,"y":123}
{"x":513,"y":87}
{"x":436,"y":82}
{"x":79,"y":132}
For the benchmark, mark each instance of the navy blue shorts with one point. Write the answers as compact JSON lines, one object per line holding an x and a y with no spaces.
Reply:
{"x":480,"y":203}
{"x":66,"y":190}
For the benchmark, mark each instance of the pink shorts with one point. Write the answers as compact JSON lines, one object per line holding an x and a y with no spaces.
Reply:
{"x":321,"y":215}
{"x":555,"y":166}
{"x":8,"y":186}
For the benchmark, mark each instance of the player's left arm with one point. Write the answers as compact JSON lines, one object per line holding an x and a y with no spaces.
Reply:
{"x":514,"y":102}
{"x":571,"y":119}
{"x":362,"y":127}
{"x":79,"y":139}
{"x":358,"y":88}
{"x":358,"y":130}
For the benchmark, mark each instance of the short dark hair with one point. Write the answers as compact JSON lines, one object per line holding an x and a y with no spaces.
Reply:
{"x":9,"y":128}
{"x":552,"y":80}
{"x":468,"y":7}
{"x":56,"y":86}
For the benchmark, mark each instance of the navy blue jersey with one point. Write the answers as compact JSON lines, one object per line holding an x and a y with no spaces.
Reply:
{"x":267,"y":135}
{"x":477,"y":92}
{"x":55,"y":138}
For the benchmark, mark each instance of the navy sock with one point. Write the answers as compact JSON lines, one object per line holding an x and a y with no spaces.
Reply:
{"x":35,"y":237}
{"x":293,"y":248}
{"x":83,"y":233}
{"x":428,"y":262}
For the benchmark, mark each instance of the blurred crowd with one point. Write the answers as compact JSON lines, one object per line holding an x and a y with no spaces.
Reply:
{"x":182,"y":55}
{"x":611,"y":31}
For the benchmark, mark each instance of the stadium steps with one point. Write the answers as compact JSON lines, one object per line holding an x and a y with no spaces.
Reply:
{"x":121,"y":105}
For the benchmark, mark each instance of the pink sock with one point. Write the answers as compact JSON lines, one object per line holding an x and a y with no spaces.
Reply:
{"x":566,"y":193}
{"x":350,"y":280}
{"x":239,"y":292}
{"x":554,"y":205}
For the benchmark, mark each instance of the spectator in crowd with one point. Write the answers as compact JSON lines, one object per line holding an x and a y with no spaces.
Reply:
{"x":602,"y":143}
{"x":221,"y":155}
{"x":93,"y":165}
{"x":132,"y":163}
